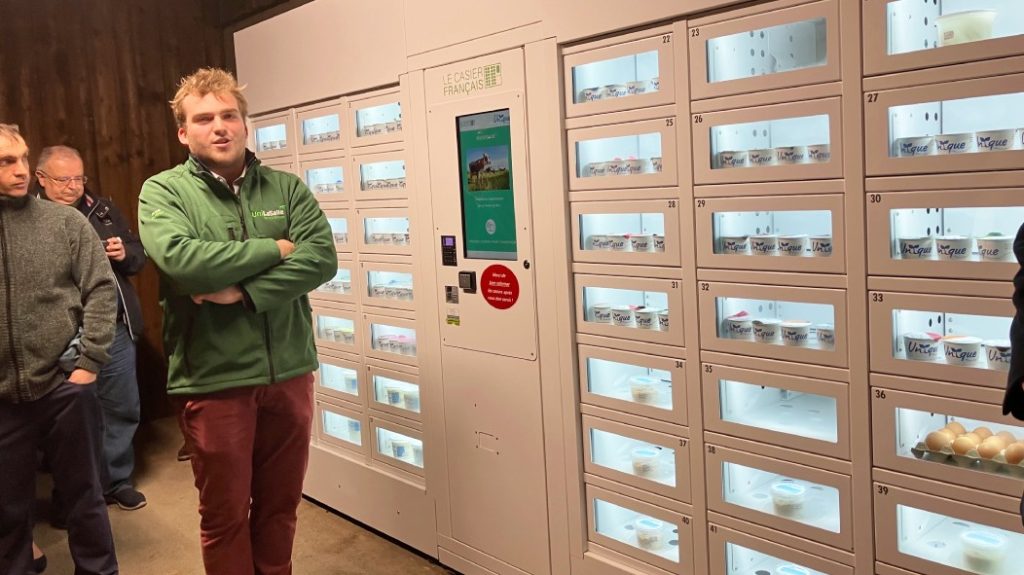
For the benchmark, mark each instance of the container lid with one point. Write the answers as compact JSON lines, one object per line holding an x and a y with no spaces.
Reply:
{"x":824,"y":326}
{"x":968,"y":339}
{"x":648,"y":523}
{"x":1000,"y":343}
{"x":793,"y":236}
{"x":922,"y":335}
{"x":768,"y":321}
{"x":795,"y":323}
{"x":645,"y":452}
{"x":788,"y":488}
{"x":791,"y":569}
{"x":643,"y":380}
{"x":952,"y":237}
{"x":983,"y":539}
{"x":623,"y":308}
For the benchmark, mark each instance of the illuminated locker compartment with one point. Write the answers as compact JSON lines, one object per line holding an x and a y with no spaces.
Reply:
{"x":381,"y":176}
{"x":962,"y":442}
{"x":630,"y":308}
{"x":806,"y":325}
{"x":324,"y":174}
{"x":957,"y":234}
{"x":397,"y":445}
{"x":340,"y":288}
{"x":273,"y":135}
{"x":650,"y":460}
{"x":640,"y":232}
{"x":388,"y":285}
{"x":395,"y":392}
{"x":649,"y":386}
{"x":785,"y":410}
{"x":339,"y":222}
{"x":384,"y":231}
{"x":391,"y":339}
{"x":949,"y":338}
{"x":736,"y":553}
{"x":907,"y":34}
{"x":339,"y":378}
{"x":602,"y":78}
{"x":780,"y":48}
{"x":939,"y":535}
{"x":796,"y":499}
{"x":632,"y":155}
{"x":797,"y":141}
{"x":376,"y":118}
{"x":768,"y":234}
{"x":339,"y":426}
{"x":978,"y":125}
{"x":639,"y":530}
{"x":320,"y":127}
{"x":336,"y":327}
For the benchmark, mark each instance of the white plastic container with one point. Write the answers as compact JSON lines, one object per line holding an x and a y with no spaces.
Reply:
{"x":761,"y":158}
{"x":821,"y":246}
{"x":920,"y":346}
{"x":794,"y":245}
{"x":740,"y":328}
{"x":995,"y":140}
{"x":645,"y":461}
{"x":962,"y":349}
{"x":644,"y":389}
{"x":968,"y":26}
{"x":659,"y":242}
{"x":764,"y":245}
{"x":790,"y":569}
{"x":948,"y":144}
{"x":789,"y":155}
{"x":619,"y":242}
{"x":663,"y":320}
{"x":819,"y":153}
{"x":394,"y":395}
{"x":997,"y":352}
{"x":599,"y":242}
{"x":919,"y":248}
{"x":826,"y":335}
{"x":650,"y":533}
{"x":796,"y":333}
{"x":984,"y":551}
{"x":953,"y":247}
{"x":766,"y":330}
{"x":601,"y":313}
{"x":623,"y":316}
{"x":995,"y":248}
{"x":656,"y":163}
{"x":401,"y":448}
{"x":417,"y":454}
{"x":647,"y":318}
{"x":412,"y":400}
{"x":641,"y":242}
{"x":732,"y":159}
{"x":788,"y":498}
{"x":734,"y":244}
{"x":915,"y":146}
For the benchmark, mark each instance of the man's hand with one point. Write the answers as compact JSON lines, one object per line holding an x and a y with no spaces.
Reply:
{"x":286,"y":247}
{"x":227,"y":296}
{"x":82,"y":377}
{"x":115,"y":249}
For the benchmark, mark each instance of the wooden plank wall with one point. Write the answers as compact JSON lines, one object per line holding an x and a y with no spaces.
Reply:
{"x":97,"y":75}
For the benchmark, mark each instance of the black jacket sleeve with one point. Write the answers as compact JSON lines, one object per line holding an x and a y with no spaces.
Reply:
{"x":1013,"y":401}
{"x":135,"y":255}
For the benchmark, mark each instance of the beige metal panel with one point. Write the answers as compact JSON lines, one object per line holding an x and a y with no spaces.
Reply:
{"x":876,"y":40}
{"x":614,"y":534}
{"x":710,"y":322}
{"x":777,"y":537}
{"x":585,"y":323}
{"x":345,"y":439}
{"x":429,"y":27}
{"x":391,"y":505}
{"x":888,"y":349}
{"x":782,"y":453}
{"x":798,"y":408}
{"x":326,"y":192}
{"x":711,"y":252}
{"x":578,"y":19}
{"x":621,"y":117}
{"x":834,"y":281}
{"x":372,"y":49}
{"x":626,"y":490}
{"x":961,"y":181}
{"x":386,"y":451}
{"x":384,"y":245}
{"x":581,"y":169}
{"x":406,"y":404}
{"x":940,"y":488}
{"x":726,"y":560}
{"x":766,"y":364}
{"x":951,"y":73}
{"x":337,"y":292}
{"x":667,"y":478}
{"x":341,"y":212}
{"x":705,"y":160}
{"x":372,"y":347}
{"x":366,"y":176}
{"x":717,"y":457}
{"x":470,"y":561}
{"x":621,"y":397}
{"x":904,"y":450}
{"x":775,"y":14}
{"x":328,"y":311}
{"x":353,"y":395}
{"x":362,"y":135}
{"x":378,"y":295}
{"x":587,"y":248}
{"x":888,"y":538}
{"x":668,"y":193}
{"x":282,"y":165}
{"x":578,"y":104}
{"x":880,"y":149}
{"x":618,"y":270}
{"x":666,"y":428}
{"x":642,"y":347}
{"x":320,"y":141}
{"x":759,"y":99}
{"x":810,"y":187}
{"x":979,"y":288}
{"x":881,"y":260}
{"x":883,"y":569}
{"x":939,"y":388}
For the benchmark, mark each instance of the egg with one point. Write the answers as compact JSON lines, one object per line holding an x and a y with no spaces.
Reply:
{"x":956,"y":428}
{"x":1014,"y":453}
{"x":983,"y":432}
{"x":963,"y":444}
{"x":1007,"y":437}
{"x":973,"y":437}
{"x":936,"y":440}
{"x":989,"y":448}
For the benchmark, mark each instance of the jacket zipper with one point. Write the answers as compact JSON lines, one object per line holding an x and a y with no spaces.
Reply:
{"x":22,"y":394}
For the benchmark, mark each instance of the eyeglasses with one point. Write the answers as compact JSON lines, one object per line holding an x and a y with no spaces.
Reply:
{"x":65,"y":181}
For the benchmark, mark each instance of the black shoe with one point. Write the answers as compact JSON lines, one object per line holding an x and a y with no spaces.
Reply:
{"x":183,"y":453}
{"x":126,"y":498}
{"x":39,"y":565}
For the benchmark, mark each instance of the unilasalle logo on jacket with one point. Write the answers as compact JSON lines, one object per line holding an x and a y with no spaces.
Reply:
{"x":271,"y":214}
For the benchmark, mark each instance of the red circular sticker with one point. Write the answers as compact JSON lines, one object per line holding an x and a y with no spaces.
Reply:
{"x":499,"y":286}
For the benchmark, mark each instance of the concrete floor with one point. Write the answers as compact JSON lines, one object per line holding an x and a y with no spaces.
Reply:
{"x":163,"y":537}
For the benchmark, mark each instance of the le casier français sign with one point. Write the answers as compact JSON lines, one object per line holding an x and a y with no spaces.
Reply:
{"x":465,"y":82}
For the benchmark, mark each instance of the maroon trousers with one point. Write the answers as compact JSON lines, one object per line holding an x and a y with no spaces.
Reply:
{"x":250,"y":447}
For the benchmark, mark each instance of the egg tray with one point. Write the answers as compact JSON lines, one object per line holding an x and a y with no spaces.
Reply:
{"x":974,"y":462}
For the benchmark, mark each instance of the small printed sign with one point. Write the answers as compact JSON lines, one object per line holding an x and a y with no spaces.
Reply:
{"x":499,"y":286}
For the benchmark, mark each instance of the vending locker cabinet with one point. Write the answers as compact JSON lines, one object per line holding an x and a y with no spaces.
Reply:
{"x":376,"y":118}
{"x":638,"y":309}
{"x":630,"y":155}
{"x":324,"y":174}
{"x":340,"y":220}
{"x":645,"y":385}
{"x":320,"y":127}
{"x":379,"y":175}
{"x":386,"y":284}
{"x":397,"y":446}
{"x":644,"y":232}
{"x":336,"y":327}
{"x":395,"y":392}
{"x":339,"y":378}
{"x":340,"y":427}
{"x":342,"y":288}
{"x":736,"y":553}
{"x":273,"y":135}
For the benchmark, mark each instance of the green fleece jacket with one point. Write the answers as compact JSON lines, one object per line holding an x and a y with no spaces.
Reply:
{"x":204,"y":238}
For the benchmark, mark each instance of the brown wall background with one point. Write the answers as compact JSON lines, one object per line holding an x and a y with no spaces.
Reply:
{"x":97,"y":75}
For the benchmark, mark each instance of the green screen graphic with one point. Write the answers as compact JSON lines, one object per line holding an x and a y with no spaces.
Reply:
{"x":488,"y":200}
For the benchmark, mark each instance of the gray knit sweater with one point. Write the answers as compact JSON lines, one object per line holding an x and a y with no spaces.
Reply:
{"x":54,"y":277}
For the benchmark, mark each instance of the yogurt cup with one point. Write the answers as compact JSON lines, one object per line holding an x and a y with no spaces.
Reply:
{"x":819,"y":153}
{"x":595,"y":169}
{"x":601,"y":313}
{"x":789,"y":155}
{"x":655,"y":84}
{"x":379,"y":290}
{"x":636,"y":87}
{"x":953,"y":247}
{"x":599,"y":242}
{"x":588,"y":95}
{"x":650,"y":533}
{"x":796,"y":333}
{"x":656,"y":163}
{"x":821,"y":246}
{"x":788,"y":498}
{"x":341,"y":237}
{"x":919,"y":248}
{"x":966,"y":26}
{"x":644,"y":389}
{"x":995,"y":140}
{"x":620,"y":242}
{"x":947,"y":144}
{"x":995,"y":248}
{"x":401,"y":448}
{"x":417,"y":454}
{"x":613,"y":91}
{"x":984,"y":551}
{"x":412,"y":400}
{"x":734,"y":244}
{"x":346,"y":286}
{"x":393,"y":395}
{"x":405,"y":293}
{"x":732,"y":159}
{"x":390,"y":127}
{"x":794,"y":245}
{"x":636,"y":166}
{"x":623,"y":316}
{"x":645,"y":461}
{"x":659,"y":242}
{"x":391,"y":291}
{"x":761,"y":158}
{"x":350,"y":382}
{"x":920,"y":346}
{"x":766,"y":330}
{"x":641,"y":242}
{"x":663,"y":320}
{"x":764,"y":245}
{"x":962,"y":349}
{"x":616,"y":167}
{"x":826,"y":335}
{"x":740,"y":328}
{"x":997,"y":352}
{"x":399,"y":238}
{"x":647,"y":318}
{"x":915,"y":146}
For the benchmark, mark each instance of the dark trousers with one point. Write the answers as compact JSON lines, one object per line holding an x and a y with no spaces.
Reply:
{"x":118,"y":391}
{"x":66,"y":425}
{"x":250,"y":446}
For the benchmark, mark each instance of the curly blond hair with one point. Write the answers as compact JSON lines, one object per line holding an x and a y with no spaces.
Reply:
{"x":207,"y":81}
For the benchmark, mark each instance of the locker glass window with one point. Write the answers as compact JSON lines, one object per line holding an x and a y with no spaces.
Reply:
{"x":619,"y":156}
{"x":634,"y":457}
{"x":377,"y":120}
{"x":978,"y":125}
{"x":340,"y":284}
{"x":403,"y":448}
{"x":397,"y":393}
{"x":623,"y":232}
{"x":326,"y":180}
{"x":341,"y":427}
{"x":783,"y":48}
{"x":974,"y":444}
{"x":956,"y":543}
{"x":955,"y":234}
{"x":781,"y":142}
{"x":337,"y":329}
{"x":336,"y":377}
{"x":382,"y":175}
{"x":386,"y":231}
{"x":960,"y":339}
{"x":389,"y":285}
{"x":806,"y":233}
{"x":637,"y":530}
{"x":777,"y":322}
{"x":794,"y":499}
{"x":321,"y":129}
{"x":620,"y":77}
{"x":796,"y":413}
{"x":273,"y":137}
{"x":393,"y":339}
{"x":743,"y":561}
{"x":636,"y":309}
{"x":627,"y":382}
{"x":915,"y":26}
{"x":339,"y":229}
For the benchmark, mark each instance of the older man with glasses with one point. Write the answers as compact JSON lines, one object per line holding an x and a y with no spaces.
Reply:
{"x":61,"y":178}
